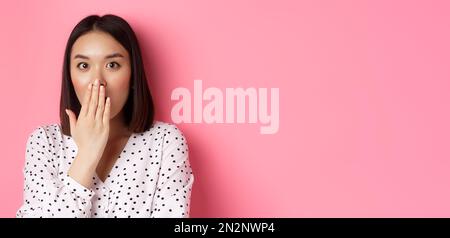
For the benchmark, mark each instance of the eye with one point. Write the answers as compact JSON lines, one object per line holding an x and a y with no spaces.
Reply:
{"x":82,"y":66}
{"x":113,"y":65}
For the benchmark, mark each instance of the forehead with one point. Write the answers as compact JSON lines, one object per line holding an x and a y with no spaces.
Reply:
{"x":97,"y":44}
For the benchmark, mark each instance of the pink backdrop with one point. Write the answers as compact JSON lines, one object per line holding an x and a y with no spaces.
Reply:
{"x":364,"y":99}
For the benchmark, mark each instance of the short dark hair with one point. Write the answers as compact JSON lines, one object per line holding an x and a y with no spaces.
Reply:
{"x":139,"y":109}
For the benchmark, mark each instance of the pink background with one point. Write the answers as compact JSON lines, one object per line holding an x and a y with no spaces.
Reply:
{"x":364,"y":99}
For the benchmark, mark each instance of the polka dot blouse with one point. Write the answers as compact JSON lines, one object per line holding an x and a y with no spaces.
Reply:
{"x":152,"y":177}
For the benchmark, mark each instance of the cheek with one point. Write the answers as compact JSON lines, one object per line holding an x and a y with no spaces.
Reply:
{"x":118,"y":89}
{"x":118,"y":84}
{"x":80,"y":85}
{"x":80,"y":88}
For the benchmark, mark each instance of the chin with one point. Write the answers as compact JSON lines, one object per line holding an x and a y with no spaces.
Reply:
{"x":115,"y":114}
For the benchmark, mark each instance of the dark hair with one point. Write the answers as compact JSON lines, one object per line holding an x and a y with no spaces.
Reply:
{"x":139,"y":109}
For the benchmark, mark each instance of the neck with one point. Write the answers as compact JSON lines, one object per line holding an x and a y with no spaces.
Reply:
{"x":117,"y":127}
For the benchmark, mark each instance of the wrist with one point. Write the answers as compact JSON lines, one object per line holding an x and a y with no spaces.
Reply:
{"x":83,"y":168}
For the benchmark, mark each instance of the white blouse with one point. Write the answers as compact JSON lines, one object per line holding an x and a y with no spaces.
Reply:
{"x":152,"y":177}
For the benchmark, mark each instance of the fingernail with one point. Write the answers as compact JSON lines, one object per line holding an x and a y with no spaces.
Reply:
{"x":90,"y":86}
{"x":96,"y":82}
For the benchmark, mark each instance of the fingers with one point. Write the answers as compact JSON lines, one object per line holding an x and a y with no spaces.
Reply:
{"x":94,"y":99}
{"x":95,"y":105}
{"x":101,"y":104}
{"x":72,"y":120}
{"x":86,"y":99}
{"x":107,"y":112}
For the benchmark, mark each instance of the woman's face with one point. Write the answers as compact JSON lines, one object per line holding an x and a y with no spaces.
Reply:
{"x":97,"y":55}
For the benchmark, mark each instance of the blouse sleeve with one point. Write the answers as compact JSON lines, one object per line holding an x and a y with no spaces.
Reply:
{"x":173,"y":191}
{"x":46,"y":194}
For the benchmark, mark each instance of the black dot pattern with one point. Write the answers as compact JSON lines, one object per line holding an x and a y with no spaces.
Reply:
{"x":151,"y":178}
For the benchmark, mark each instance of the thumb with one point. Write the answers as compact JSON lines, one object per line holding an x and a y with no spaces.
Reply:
{"x":72,"y":120}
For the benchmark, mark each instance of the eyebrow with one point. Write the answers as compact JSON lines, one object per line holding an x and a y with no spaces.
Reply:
{"x":115,"y":55}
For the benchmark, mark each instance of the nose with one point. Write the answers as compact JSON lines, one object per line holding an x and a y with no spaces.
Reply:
{"x":97,"y":74}
{"x":101,"y":81}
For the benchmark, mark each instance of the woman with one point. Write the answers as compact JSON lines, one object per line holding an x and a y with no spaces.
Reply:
{"x":108,"y":157}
